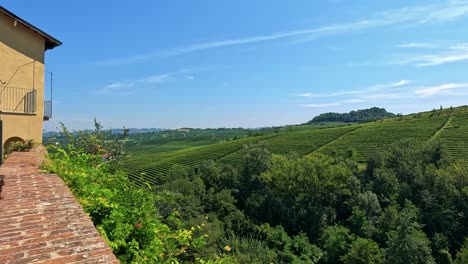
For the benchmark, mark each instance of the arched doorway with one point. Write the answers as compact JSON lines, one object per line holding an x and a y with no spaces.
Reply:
{"x":11,"y":140}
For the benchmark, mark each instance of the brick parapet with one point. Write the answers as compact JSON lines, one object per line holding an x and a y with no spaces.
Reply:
{"x":41,"y":221}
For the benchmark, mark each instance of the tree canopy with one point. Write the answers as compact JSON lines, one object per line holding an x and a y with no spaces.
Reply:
{"x":364,"y":115}
{"x":407,"y":204}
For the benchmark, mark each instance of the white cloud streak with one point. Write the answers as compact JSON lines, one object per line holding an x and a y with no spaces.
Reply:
{"x":435,"y":13}
{"x":405,"y":92}
{"x":454,"y":53}
{"x":400,"y":83}
{"x":321,"y":105}
{"x":354,"y":92}
{"x":126,"y":87}
{"x":434,"y":90}
{"x":324,"y":95}
{"x":417,"y":45}
{"x":119,"y":85}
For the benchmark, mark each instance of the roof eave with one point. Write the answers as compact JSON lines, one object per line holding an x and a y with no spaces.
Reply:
{"x":50,"y":41}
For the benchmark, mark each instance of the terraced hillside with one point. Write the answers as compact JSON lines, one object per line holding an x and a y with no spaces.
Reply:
{"x":153,"y":167}
{"x":449,"y":126}
{"x":455,"y":135}
{"x":380,"y":135}
{"x":301,"y":142}
{"x":171,"y":140}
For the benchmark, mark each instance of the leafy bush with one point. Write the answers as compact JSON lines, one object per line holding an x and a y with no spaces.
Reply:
{"x":20,"y":146}
{"x":124,"y":215}
{"x":99,"y":143}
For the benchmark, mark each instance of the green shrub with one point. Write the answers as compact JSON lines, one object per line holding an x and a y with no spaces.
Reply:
{"x":98,"y":142}
{"x":124,"y":215}
{"x":20,"y":146}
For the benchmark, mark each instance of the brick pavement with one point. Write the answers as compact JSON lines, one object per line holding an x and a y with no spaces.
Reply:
{"x":41,"y":221}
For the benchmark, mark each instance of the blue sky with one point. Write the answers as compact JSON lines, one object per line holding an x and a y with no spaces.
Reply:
{"x":248,"y":63}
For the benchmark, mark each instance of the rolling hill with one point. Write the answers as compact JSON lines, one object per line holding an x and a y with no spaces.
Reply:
{"x":449,"y":126}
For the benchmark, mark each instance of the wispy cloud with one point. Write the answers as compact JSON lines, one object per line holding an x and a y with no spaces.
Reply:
{"x":128,"y":86}
{"x":119,"y":85}
{"x":385,"y":93}
{"x":400,"y":83}
{"x":433,"y":57}
{"x":433,"y":13}
{"x":157,"y":78}
{"x":354,"y":92}
{"x":387,"y":85}
{"x":431,"y":91}
{"x":416,"y":45}
{"x":323,"y":95}
{"x":321,"y":105}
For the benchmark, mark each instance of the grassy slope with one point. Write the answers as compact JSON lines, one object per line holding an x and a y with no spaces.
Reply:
{"x":151,"y":143}
{"x":455,"y":135}
{"x":379,"y":135}
{"x":149,"y":165}
{"x":154,"y":166}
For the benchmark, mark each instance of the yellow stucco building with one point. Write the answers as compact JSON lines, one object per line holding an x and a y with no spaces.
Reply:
{"x":23,"y":107}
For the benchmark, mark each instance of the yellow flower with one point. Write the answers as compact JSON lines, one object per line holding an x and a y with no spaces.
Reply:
{"x":227,"y":248}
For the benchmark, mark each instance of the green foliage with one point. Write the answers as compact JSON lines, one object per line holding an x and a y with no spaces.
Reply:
{"x":124,"y":215}
{"x":207,"y":197}
{"x":249,"y":250}
{"x":309,"y":193}
{"x":444,"y":257}
{"x":462,"y":254}
{"x":248,"y":205}
{"x":364,"y":115}
{"x":455,"y":136}
{"x":336,"y":241}
{"x":373,"y":137}
{"x":297,"y":249}
{"x":408,"y":243}
{"x":152,"y":156}
{"x":155,"y":168}
{"x":98,"y":143}
{"x":306,"y":141}
{"x":20,"y":146}
{"x":365,"y":214}
{"x":363,"y":251}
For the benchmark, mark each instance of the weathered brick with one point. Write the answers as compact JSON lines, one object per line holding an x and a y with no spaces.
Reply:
{"x":41,"y":221}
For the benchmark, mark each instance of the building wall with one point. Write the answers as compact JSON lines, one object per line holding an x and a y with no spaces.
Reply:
{"x":21,"y":66}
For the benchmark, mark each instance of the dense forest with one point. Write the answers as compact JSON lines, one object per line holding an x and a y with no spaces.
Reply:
{"x":364,"y":115}
{"x":406,"y":205}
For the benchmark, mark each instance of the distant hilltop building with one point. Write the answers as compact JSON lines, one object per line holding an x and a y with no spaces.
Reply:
{"x":184,"y":130}
{"x":23,"y":106}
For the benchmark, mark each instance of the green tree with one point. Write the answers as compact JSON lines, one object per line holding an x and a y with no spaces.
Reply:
{"x":386,"y":185}
{"x":462,"y":254}
{"x":304,"y":251}
{"x":408,"y":243}
{"x":363,"y":251}
{"x":365,"y":214}
{"x":336,"y":241}
{"x":309,"y":193}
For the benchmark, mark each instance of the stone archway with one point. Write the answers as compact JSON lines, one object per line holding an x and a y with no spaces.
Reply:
{"x":11,"y":140}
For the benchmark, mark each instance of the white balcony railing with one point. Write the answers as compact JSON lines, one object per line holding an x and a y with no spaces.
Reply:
{"x":17,"y":100}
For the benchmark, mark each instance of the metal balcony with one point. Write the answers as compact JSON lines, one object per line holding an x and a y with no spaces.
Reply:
{"x":17,"y":100}
{"x":47,"y":110}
